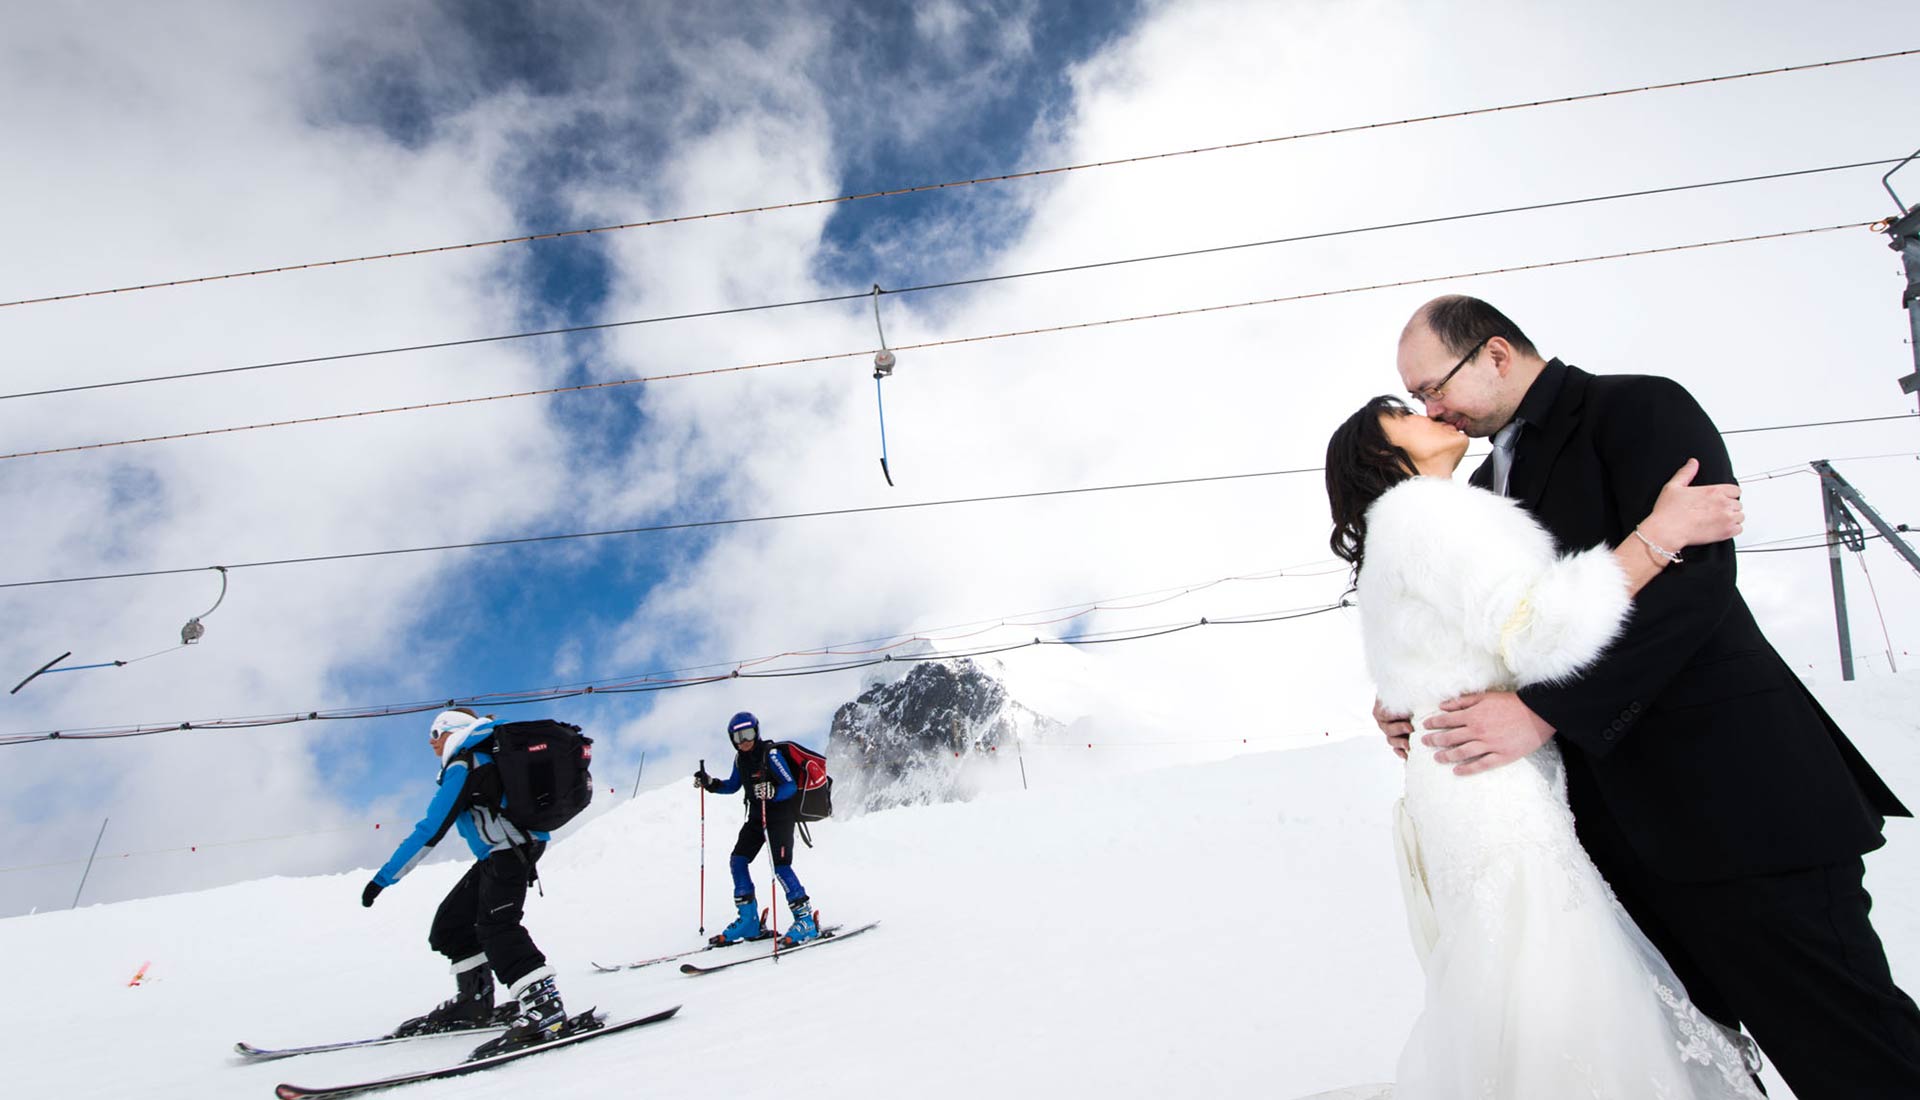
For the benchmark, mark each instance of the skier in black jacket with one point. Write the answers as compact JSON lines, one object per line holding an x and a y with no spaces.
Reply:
{"x":773,"y":807}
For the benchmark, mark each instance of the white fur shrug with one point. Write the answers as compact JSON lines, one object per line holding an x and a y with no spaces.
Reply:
{"x":1461,"y":591}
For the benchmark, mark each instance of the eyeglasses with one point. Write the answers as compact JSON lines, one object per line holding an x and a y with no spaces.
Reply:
{"x":1426,"y":394}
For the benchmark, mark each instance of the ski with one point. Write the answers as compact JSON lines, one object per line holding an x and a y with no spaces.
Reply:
{"x":502,"y":1016}
{"x":591,"y":1025}
{"x":618,"y":967}
{"x":830,"y":935}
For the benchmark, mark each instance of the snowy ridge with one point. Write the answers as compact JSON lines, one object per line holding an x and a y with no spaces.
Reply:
{"x":929,"y":736}
{"x":1231,"y":928}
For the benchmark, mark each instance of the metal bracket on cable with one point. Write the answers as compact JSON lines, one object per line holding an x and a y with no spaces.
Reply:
{"x":883,"y":362}
{"x":1903,"y":231}
{"x":191,"y":632}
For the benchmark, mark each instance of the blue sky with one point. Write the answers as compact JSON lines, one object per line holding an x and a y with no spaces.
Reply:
{"x":507,"y":610}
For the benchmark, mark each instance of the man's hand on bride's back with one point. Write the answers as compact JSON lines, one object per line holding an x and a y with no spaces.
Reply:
{"x":1397,"y":727}
{"x":1485,"y":730}
{"x":1693,"y":515}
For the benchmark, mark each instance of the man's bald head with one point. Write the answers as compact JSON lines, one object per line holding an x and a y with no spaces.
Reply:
{"x":1459,"y":322}
{"x":1467,"y":363}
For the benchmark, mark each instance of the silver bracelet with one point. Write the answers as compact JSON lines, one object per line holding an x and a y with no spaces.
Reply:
{"x":1671,"y":557}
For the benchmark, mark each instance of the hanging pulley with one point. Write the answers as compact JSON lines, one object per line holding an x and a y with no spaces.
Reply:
{"x":189,"y":634}
{"x":883,"y":362}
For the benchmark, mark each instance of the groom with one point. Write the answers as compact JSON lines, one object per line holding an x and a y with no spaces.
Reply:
{"x":1724,"y":807}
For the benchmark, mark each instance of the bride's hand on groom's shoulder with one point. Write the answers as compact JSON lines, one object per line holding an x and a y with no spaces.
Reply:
{"x":1398,"y":727}
{"x":1686,"y":514}
{"x":1483,"y":731}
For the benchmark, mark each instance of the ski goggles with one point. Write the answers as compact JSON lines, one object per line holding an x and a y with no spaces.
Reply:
{"x":743,"y":733}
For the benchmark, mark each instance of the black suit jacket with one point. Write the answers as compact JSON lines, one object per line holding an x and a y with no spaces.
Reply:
{"x":1708,"y":754}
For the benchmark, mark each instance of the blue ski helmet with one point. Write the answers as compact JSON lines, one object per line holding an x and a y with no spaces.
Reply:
{"x":743,"y":727}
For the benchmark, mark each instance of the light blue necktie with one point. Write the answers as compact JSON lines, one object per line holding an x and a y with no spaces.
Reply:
{"x":1503,"y":454}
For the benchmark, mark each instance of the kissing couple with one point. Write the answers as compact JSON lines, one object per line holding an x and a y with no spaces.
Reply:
{"x":1629,"y":831}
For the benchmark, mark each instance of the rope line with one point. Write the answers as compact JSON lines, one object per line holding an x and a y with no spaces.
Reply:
{"x":949,"y":342}
{"x":946,"y":285}
{"x":1005,"y":177}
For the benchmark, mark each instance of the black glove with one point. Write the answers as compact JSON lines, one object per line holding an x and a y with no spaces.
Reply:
{"x":702,"y":780}
{"x":372,"y":891}
{"x":763,"y":791}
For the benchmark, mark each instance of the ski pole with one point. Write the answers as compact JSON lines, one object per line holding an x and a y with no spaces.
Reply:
{"x":773,"y":894}
{"x":703,"y":851}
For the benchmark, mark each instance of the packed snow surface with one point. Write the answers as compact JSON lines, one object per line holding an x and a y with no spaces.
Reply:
{"x":1231,"y":928}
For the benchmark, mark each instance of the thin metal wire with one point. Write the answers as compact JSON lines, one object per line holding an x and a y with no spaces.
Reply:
{"x":950,"y":342}
{"x":548,"y":694}
{"x":1006,"y":177}
{"x":945,"y":285}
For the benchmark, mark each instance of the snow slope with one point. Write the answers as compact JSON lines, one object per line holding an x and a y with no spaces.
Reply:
{"x":1221,"y":929}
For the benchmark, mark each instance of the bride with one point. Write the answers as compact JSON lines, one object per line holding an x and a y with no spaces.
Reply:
{"x":1538,"y":985}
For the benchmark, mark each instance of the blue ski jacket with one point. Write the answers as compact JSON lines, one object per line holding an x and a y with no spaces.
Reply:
{"x":776,"y":763}
{"x":482,"y":827}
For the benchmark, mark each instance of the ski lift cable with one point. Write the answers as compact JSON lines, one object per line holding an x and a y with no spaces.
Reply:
{"x":1802,"y":468}
{"x":1860,"y":556}
{"x":781,"y":517}
{"x":1079,"y":326}
{"x":936,"y":634}
{"x":883,"y":361}
{"x":1822,"y":545}
{"x":949,"y":284}
{"x":189,"y":634}
{"x":121,"y":732}
{"x":1003,"y":178}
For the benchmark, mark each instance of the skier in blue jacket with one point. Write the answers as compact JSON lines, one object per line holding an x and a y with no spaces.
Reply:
{"x":478,"y":926}
{"x":772,"y":809}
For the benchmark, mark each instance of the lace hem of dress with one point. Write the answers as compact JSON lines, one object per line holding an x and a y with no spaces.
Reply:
{"x":1707,"y":1043}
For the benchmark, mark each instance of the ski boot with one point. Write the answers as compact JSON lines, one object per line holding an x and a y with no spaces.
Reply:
{"x":542,"y":1017}
{"x":805,"y":927}
{"x":471,"y":1007}
{"x":746,"y":926}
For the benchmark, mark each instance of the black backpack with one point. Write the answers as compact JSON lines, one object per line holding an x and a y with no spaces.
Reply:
{"x":541,"y":778}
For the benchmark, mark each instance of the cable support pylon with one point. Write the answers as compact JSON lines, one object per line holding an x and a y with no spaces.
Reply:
{"x":1078,"y":326}
{"x":1034,"y":173}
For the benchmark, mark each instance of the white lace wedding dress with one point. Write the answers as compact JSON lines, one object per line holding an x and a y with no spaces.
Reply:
{"x":1538,"y":985}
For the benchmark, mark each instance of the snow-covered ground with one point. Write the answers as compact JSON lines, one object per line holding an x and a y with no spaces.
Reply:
{"x":1222,"y":929}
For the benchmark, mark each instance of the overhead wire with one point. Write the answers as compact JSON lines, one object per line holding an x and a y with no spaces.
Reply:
{"x":648,"y":686}
{"x":943,"y":285}
{"x":735,"y":521}
{"x":1002,"y":178}
{"x":948,"y":342}
{"x":1822,"y":545}
{"x":1803,"y":468}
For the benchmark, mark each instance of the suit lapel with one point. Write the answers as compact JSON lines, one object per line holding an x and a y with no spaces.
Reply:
{"x":1540,"y":445}
{"x":1482,"y":476}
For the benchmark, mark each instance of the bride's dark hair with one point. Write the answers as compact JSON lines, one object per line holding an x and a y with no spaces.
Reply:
{"x":1362,"y":463}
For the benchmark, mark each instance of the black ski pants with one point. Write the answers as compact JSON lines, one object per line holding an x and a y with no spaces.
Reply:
{"x":482,"y":913}
{"x":780,"y":819}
